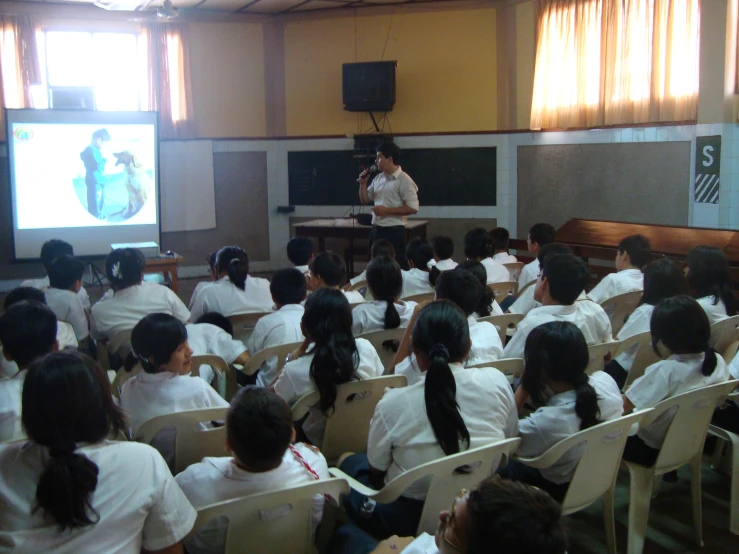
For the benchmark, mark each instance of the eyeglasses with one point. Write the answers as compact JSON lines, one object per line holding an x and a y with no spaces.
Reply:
{"x":451,"y":520}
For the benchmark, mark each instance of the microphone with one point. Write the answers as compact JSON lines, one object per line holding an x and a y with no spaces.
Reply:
{"x":372,"y":169}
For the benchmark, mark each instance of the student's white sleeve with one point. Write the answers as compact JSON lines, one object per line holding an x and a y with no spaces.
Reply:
{"x":198,"y":305}
{"x":734,"y":367}
{"x":379,"y":443}
{"x":650,"y":389}
{"x":497,"y":310}
{"x":371,"y":191}
{"x":357,"y":321}
{"x":602,"y":291}
{"x":408,"y":367}
{"x":179,"y":310}
{"x":84,"y":299}
{"x":285,"y":387}
{"x":527,"y":275}
{"x":533,"y":442}
{"x":524,"y":303}
{"x":223,"y":345}
{"x":78,"y":319}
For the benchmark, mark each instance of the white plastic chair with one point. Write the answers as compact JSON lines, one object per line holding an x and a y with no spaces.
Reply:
{"x":597,"y":353}
{"x":645,"y":355}
{"x":347,"y":428}
{"x":120,"y":379}
{"x":377,"y":338}
{"x":243,"y":324}
{"x":224,"y":374}
{"x":512,"y":368}
{"x":724,"y":332}
{"x":503,"y":322}
{"x":192,"y":442}
{"x":514,"y":269}
{"x":527,"y":285}
{"x":275,"y":522}
{"x":502,"y":289}
{"x":119,"y":344}
{"x":596,"y":472}
{"x":732,"y":439}
{"x":620,"y":307}
{"x":418,"y":298}
{"x":447,"y":476}
{"x":683,"y":444}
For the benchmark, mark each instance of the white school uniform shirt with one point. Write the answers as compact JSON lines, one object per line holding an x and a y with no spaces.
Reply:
{"x":44,"y":284}
{"x":138,"y":504}
{"x":205,"y":338}
{"x":219,"y":479}
{"x":422,"y":544}
{"x":497,"y":272}
{"x":393,"y":191}
{"x":227,"y":299}
{"x":401,"y":437}
{"x":275,"y":329}
{"x":67,"y":307}
{"x":415,"y":281}
{"x":734,"y":367}
{"x":198,"y":290}
{"x":715,"y":312}
{"x":504,"y":258}
{"x":638,"y":322}
{"x":530,"y":272}
{"x":557,"y":421}
{"x":11,"y":389}
{"x":677,"y":374}
{"x":127,"y":307}
{"x":586,"y":315}
{"x":613,"y":284}
{"x":304,"y":269}
{"x":370,"y":316}
{"x":294,"y":381}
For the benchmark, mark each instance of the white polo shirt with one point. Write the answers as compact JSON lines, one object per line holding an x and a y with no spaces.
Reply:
{"x":205,"y":338}
{"x":393,"y":191}
{"x":136,"y":498}
{"x":294,"y":381}
{"x":586,"y":315}
{"x":446,"y":265}
{"x":11,"y":390}
{"x":638,"y":322}
{"x":225,"y":298}
{"x":44,"y":284}
{"x":557,"y":421}
{"x":280,"y":327}
{"x":675,"y":375}
{"x":422,"y":544}
{"x":497,"y":273}
{"x":219,"y":479}
{"x":415,"y":281}
{"x":67,"y":307}
{"x":127,"y":307}
{"x":401,"y":437}
{"x":504,"y":258}
{"x":714,"y":308}
{"x":613,"y":284}
{"x":370,"y":316}
{"x":530,"y":272}
{"x":198,"y":290}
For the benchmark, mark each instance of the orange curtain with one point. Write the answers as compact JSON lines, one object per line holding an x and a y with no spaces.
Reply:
{"x":19,"y":63}
{"x":611,"y":62}
{"x":170,"y":90}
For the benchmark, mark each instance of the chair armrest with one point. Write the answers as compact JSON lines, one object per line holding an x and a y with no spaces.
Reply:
{"x":353,"y":483}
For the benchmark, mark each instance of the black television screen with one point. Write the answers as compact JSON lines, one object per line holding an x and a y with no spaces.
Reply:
{"x":369,"y":86}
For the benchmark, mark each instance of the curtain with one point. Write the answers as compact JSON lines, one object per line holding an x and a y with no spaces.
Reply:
{"x":19,"y":64}
{"x":170,"y":91}
{"x":612,"y":62}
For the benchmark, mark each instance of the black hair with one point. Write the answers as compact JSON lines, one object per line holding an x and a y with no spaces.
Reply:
{"x":259,"y":427}
{"x":443,"y":246}
{"x":219,"y":320}
{"x":153,"y":341}
{"x":681,"y":324}
{"x":124,"y":268}
{"x":233,"y":261}
{"x":385,"y":281}
{"x":663,"y":278}
{"x":212,"y":260}
{"x":478,"y":244}
{"x":101,"y":134}
{"x":382,"y":247}
{"x":485,"y":307}
{"x":509,"y":516}
{"x":552,"y":249}
{"x":541,"y":233}
{"x":558,"y":350}
{"x":27,"y":331}
{"x":709,"y":275}
{"x":501,"y":237}
{"x":65,"y":271}
{"x":567,"y":276}
{"x":420,"y":253}
{"x":66,"y":403}
{"x":288,"y":286}
{"x":638,"y":248}
{"x":461,"y":287}
{"x":299,"y":250}
{"x":19,"y":294}
{"x":330,"y":267}
{"x":389,"y":150}
{"x":442,"y":333}
{"x":328,"y":322}
{"x":53,"y":249}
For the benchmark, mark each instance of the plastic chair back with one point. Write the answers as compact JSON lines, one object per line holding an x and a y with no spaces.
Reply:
{"x":377,"y":338}
{"x":120,"y":379}
{"x":418,"y":298}
{"x":619,"y":307}
{"x":225,"y":383}
{"x":645,"y":355}
{"x":502,"y":289}
{"x":119,"y":344}
{"x":274,"y":522}
{"x":527,"y":285}
{"x":724,"y":332}
{"x":192,"y":442}
{"x":514,"y":269}
{"x":243,"y":324}
{"x":503,"y":323}
{"x":730,"y":351}
{"x":347,"y":428}
{"x":508,"y":366}
{"x":597,"y":352}
{"x":358,"y":285}
{"x":280,"y":352}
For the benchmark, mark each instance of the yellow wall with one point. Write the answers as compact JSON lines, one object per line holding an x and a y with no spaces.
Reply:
{"x":525,"y":60}
{"x":446,"y":75}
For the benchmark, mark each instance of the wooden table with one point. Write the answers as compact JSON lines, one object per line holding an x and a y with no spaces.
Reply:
{"x":166,"y":265}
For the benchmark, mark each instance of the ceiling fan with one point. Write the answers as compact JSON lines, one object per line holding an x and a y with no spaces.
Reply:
{"x":166,"y":11}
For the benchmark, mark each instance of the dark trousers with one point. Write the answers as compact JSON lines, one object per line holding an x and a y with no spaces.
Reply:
{"x":395,"y":235}
{"x":516,"y":471}
{"x":638,"y":452}
{"x":619,"y":374}
{"x":95,"y":205}
{"x":727,"y":417}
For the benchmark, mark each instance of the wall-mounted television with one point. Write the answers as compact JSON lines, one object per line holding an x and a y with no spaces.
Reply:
{"x":369,"y":86}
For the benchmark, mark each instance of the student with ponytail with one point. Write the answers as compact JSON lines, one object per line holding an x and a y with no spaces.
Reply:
{"x":235,"y":291}
{"x":569,"y":401}
{"x":709,"y":280}
{"x":71,"y":490}
{"x":681,"y":337}
{"x":488,"y":305}
{"x":451,"y":409}
{"x":385,"y":282}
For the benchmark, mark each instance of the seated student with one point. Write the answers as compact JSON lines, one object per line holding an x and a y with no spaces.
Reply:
{"x":681,"y":336}
{"x":568,"y":401}
{"x":299,"y":252}
{"x":416,"y":280}
{"x":68,"y":489}
{"x":662,"y":279}
{"x":451,"y":409}
{"x":65,"y":279}
{"x":563,"y":278}
{"x":478,"y":247}
{"x":380,"y":247}
{"x":259,"y":437}
{"x":212,"y":333}
{"x":385,"y":282}
{"x":329,"y":356}
{"x":50,"y":251}
{"x":328,"y":270}
{"x":709,"y":281}
{"x":501,"y":238}
{"x":132,"y":298}
{"x":281,"y":326}
{"x":443,"y":251}
{"x":211,"y":259}
{"x":539,"y":235}
{"x":235,"y":291}
{"x":525,"y":302}
{"x":488,"y":305}
{"x":634,"y":252}
{"x":27,"y":331}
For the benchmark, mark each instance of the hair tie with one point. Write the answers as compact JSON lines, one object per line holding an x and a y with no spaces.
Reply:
{"x":62,"y":448}
{"x":439,"y":351}
{"x":582,"y":379}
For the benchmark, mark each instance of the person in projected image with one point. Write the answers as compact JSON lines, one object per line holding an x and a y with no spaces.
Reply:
{"x":94,"y":166}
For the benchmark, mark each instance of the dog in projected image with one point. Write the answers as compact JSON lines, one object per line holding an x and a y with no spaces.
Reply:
{"x":136,"y":180}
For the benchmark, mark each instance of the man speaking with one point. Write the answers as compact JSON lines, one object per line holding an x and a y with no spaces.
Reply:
{"x":395,"y":197}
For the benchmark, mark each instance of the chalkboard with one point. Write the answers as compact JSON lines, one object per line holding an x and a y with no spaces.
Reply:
{"x":445,"y":176}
